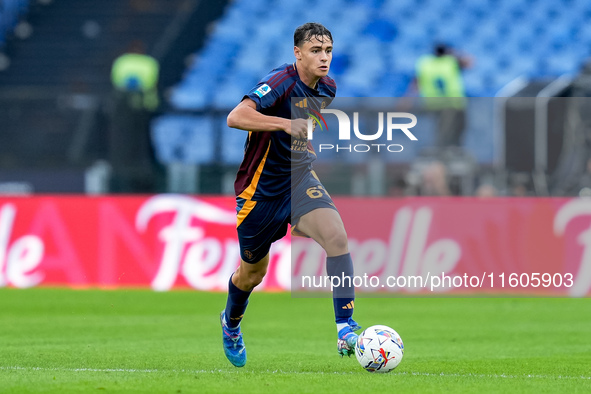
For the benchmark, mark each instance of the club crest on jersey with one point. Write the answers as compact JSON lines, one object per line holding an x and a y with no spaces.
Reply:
{"x":261,"y":91}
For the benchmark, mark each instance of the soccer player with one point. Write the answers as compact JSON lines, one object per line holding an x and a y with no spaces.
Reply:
{"x":276,"y":186}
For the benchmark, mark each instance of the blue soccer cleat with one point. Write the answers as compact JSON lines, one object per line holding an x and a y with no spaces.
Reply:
{"x":353,"y":324}
{"x":347,"y":341}
{"x":233,"y":344}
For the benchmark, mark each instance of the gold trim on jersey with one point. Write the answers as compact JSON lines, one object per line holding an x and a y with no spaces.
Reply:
{"x":249,"y":191}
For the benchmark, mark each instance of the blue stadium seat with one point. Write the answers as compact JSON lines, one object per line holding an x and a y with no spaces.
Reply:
{"x":232,"y":144}
{"x":186,"y":97}
{"x":11,"y":11}
{"x":183,"y":139}
{"x":382,"y":29}
{"x":473,"y":83}
{"x":565,"y":62}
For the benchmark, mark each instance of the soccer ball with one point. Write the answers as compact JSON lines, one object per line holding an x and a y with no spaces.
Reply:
{"x":379,"y":349}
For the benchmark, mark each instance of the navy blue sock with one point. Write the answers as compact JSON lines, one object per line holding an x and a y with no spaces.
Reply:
{"x":236,"y":304}
{"x":343,"y":296}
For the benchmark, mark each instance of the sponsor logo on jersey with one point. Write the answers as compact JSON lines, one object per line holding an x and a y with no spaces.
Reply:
{"x":302,"y":103}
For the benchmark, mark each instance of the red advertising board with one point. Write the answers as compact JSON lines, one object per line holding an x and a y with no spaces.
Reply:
{"x":538,"y":246}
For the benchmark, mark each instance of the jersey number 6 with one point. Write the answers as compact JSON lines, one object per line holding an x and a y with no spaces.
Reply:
{"x":315,"y":192}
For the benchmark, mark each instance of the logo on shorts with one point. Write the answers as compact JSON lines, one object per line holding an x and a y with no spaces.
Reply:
{"x":248,"y":254}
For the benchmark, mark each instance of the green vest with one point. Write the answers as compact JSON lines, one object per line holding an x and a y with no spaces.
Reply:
{"x":136,"y":72}
{"x":440,"y":76}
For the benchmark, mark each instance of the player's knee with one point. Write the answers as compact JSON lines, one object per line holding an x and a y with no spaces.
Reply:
{"x":337,"y":240}
{"x":256,"y":277}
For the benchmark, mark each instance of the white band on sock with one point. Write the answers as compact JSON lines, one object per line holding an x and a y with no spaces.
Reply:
{"x":340,"y":326}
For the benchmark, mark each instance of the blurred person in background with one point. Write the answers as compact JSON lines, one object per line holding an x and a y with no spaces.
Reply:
{"x":573,"y":172}
{"x":136,"y":72}
{"x":434,"y":180}
{"x":486,"y":190}
{"x":519,"y":185}
{"x":397,"y":186}
{"x":584,"y":186}
{"x":439,"y":80}
{"x":134,"y":76}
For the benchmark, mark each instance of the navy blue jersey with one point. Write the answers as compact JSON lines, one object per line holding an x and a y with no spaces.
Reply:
{"x":270,"y":157}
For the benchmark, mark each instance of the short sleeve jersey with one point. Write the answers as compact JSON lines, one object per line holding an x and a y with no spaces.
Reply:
{"x":270,"y":158}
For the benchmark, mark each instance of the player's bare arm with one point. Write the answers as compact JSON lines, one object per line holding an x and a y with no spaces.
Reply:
{"x":246,"y":117}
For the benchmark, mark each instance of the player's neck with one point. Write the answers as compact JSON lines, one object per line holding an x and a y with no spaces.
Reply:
{"x":310,"y":80}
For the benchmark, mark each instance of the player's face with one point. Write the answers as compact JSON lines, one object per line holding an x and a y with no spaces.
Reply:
{"x":315,"y":56}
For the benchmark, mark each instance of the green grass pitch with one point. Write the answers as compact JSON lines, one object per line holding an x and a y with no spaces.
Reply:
{"x":57,"y":340}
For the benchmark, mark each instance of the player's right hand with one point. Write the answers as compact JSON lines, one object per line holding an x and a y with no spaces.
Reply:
{"x":297,"y":128}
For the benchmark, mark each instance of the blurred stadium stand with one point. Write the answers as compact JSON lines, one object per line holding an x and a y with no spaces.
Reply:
{"x":212,"y":53}
{"x":377,"y":44}
{"x":55,"y":95}
{"x":11,"y":12}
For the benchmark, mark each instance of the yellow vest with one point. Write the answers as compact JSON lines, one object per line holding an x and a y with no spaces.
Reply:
{"x":440,"y":76}
{"x":136,"y":72}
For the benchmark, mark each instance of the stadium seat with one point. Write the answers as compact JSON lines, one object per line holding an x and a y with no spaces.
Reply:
{"x":10,"y":13}
{"x":183,"y":139}
{"x":232,"y":144}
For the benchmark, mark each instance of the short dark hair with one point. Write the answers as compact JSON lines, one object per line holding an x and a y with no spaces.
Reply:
{"x":308,"y":30}
{"x":441,"y":49}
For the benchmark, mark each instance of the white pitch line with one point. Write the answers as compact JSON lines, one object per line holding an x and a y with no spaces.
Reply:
{"x":503,"y":376}
{"x":279,"y":371}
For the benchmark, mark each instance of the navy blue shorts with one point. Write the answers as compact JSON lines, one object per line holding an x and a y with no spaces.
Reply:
{"x":260,"y":223}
